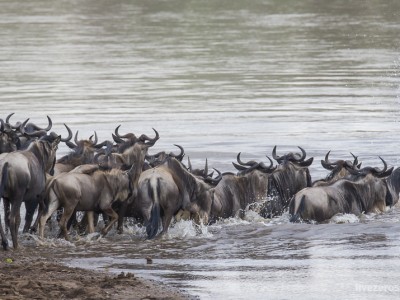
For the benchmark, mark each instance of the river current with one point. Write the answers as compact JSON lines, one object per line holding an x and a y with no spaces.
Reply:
{"x":221,"y":77}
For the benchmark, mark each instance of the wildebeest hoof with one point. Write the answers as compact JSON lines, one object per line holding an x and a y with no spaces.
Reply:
{"x":5,"y":245}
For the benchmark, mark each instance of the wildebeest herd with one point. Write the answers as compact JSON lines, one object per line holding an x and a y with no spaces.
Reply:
{"x":118,"y":178}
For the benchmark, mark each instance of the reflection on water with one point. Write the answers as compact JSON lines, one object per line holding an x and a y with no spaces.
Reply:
{"x":218,"y":78}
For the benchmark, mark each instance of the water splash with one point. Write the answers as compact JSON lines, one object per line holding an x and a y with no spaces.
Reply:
{"x":344,"y":218}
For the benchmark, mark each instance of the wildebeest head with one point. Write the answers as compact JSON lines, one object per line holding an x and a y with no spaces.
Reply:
{"x":293,"y":157}
{"x":247,"y":167}
{"x":48,"y":146}
{"x":9,"y":140}
{"x":339,"y":169}
{"x":31,"y":130}
{"x":82,"y":150}
{"x":160,"y":157}
{"x":376,"y":172}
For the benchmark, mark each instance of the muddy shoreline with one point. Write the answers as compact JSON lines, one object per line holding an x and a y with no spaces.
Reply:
{"x":37,"y":273}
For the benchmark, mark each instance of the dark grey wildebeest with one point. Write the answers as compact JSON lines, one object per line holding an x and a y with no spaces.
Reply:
{"x":291,"y":175}
{"x":26,"y":178}
{"x":235,"y":192}
{"x":363,"y":191}
{"x":87,"y":189}
{"x":168,"y":188}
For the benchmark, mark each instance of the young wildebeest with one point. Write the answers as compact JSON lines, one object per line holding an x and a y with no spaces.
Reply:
{"x":167,"y":188}
{"x":363,"y":191}
{"x":26,"y":178}
{"x":87,"y":189}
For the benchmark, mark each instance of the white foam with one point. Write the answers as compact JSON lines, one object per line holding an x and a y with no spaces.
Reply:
{"x":344,"y":218}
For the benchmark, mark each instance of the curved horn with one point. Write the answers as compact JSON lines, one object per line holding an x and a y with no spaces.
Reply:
{"x":8,"y":118}
{"x":50,"y":124}
{"x":326,"y":163}
{"x":2,"y":125}
{"x":76,"y":137}
{"x":190,"y":169}
{"x":16,"y":126}
{"x":33,"y":128}
{"x":102,"y":144}
{"x":239,"y":167}
{"x":268,"y":169}
{"x":117,"y":139}
{"x":180,"y":155}
{"x":116,"y":131}
{"x":249,"y":163}
{"x":21,"y":127}
{"x":277,"y":158}
{"x":355,"y":162}
{"x":214,"y":181}
{"x":152,"y":141}
{"x":206,"y":168}
{"x":303,"y":156}
{"x":384,"y":167}
{"x":125,"y":136}
{"x":95,"y":138}
{"x":69,"y":134}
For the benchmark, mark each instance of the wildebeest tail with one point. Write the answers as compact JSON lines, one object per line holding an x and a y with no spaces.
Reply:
{"x":154,"y":223}
{"x":4,"y":176}
{"x":296,"y":215}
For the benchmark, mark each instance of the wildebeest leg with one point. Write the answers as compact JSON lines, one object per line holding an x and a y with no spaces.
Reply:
{"x":114,"y":218}
{"x":15,"y":219}
{"x":90,"y":221}
{"x":4,"y":241}
{"x":121,"y":215}
{"x":68,"y":211}
{"x":53,"y":206}
{"x":73,"y":221}
{"x":30,"y":207}
{"x":6,"y":204}
{"x":166,"y":220}
{"x":40,"y":212}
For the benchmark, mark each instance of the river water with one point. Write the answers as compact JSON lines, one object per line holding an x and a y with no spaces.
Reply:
{"x":218,"y":78}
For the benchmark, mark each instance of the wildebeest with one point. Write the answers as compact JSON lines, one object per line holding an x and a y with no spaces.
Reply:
{"x":83,"y":152}
{"x":87,"y":189}
{"x":9,"y":140}
{"x":393,"y":182}
{"x":234,"y":193}
{"x":362,"y":191}
{"x":291,"y":175}
{"x":26,"y":177}
{"x":158,"y":158}
{"x":339,"y":169}
{"x":168,"y":188}
{"x":131,"y":150}
{"x":27,"y":132}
